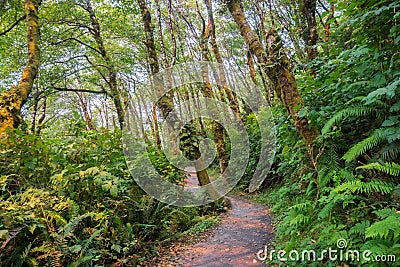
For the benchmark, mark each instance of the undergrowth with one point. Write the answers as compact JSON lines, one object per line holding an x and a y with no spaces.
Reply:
{"x":350,"y":190}
{"x":71,"y":201}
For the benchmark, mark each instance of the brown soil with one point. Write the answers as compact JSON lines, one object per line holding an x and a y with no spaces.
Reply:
{"x":243,"y":231}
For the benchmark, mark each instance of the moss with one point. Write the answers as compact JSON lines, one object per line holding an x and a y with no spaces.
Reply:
{"x":10,"y":105}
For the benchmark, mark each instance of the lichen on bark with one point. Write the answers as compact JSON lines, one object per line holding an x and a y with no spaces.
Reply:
{"x":12,"y":100}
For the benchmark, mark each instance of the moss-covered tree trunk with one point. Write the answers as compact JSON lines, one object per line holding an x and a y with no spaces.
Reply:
{"x":206,"y":90}
{"x":165,"y":103}
{"x":277,"y":67}
{"x":308,"y":9}
{"x":233,"y":102}
{"x":112,"y":73}
{"x":12,"y":100}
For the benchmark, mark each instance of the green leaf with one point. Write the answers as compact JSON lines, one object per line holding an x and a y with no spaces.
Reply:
{"x":3,"y":234}
{"x":116,"y":248}
{"x":75,"y":249}
{"x":392,"y":120}
{"x":114,"y":190}
{"x":303,"y":112}
{"x":397,"y":40}
{"x":377,"y":137}
{"x":389,"y":168}
{"x":388,"y":228}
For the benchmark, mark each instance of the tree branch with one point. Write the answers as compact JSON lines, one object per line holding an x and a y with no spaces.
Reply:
{"x":65,"y":89}
{"x":79,"y":41}
{"x":13,"y":25}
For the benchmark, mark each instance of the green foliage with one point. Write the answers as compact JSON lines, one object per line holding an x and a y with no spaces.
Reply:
{"x":358,"y":186}
{"x":357,"y":111}
{"x":72,"y":202}
{"x":351,"y":189}
{"x":390,"y":168}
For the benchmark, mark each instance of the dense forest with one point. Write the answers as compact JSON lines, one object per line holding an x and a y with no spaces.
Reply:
{"x":292,"y":104}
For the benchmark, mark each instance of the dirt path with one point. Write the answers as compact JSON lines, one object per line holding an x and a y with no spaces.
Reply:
{"x":243,"y":231}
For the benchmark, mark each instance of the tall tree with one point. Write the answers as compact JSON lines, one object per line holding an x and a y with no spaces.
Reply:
{"x":213,"y":38}
{"x":12,"y":100}
{"x":308,"y":9}
{"x":277,"y":67}
{"x":165,"y":103}
{"x":111,"y":72}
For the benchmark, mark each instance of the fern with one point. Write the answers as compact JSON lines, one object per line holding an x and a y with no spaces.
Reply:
{"x":391,"y":151}
{"x":359,"y":186}
{"x":386,"y":229}
{"x":300,"y":219}
{"x":49,"y":253}
{"x":57,"y":217}
{"x":89,"y":241}
{"x":68,"y":228}
{"x":356,"y":111}
{"x":326,"y":210}
{"x":390,"y":168}
{"x":301,"y":207}
{"x":24,"y":256}
{"x":81,"y":260}
{"x":360,"y":228}
{"x":377,"y":137}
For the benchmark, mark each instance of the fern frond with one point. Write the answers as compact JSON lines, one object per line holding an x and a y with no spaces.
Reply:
{"x":89,"y":241}
{"x":360,"y":228}
{"x":376,"y":138}
{"x":390,"y":168}
{"x":358,"y":186}
{"x":386,"y":229}
{"x":69,"y":227}
{"x":301,"y":206}
{"x":24,"y":256}
{"x":391,"y":152}
{"x":81,"y":260}
{"x":326,"y":210}
{"x":356,"y":111}
{"x":300,"y":219}
{"x":55,"y":216}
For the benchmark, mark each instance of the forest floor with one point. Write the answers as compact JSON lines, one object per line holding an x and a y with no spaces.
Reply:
{"x":244,"y":230}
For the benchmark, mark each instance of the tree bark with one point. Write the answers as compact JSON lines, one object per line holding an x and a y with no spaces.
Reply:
{"x":230,"y":95}
{"x":165,"y":103}
{"x":42,"y":117}
{"x":206,"y":90}
{"x":327,"y":26}
{"x":112,"y":74}
{"x":12,"y":100}
{"x":308,"y":10}
{"x":277,"y":67}
{"x":84,"y":107}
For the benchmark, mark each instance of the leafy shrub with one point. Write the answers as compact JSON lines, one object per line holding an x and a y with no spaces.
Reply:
{"x":71,"y":201}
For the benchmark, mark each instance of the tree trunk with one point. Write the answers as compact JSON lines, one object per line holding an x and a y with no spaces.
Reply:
{"x":206,"y":90}
{"x":165,"y":103}
{"x":308,"y":10}
{"x":112,"y":74}
{"x":42,"y":117}
{"x":250,"y":63}
{"x":12,"y":100}
{"x":327,"y":26}
{"x":34,"y":111}
{"x":85,"y":110}
{"x":230,"y":95}
{"x":277,"y":67}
